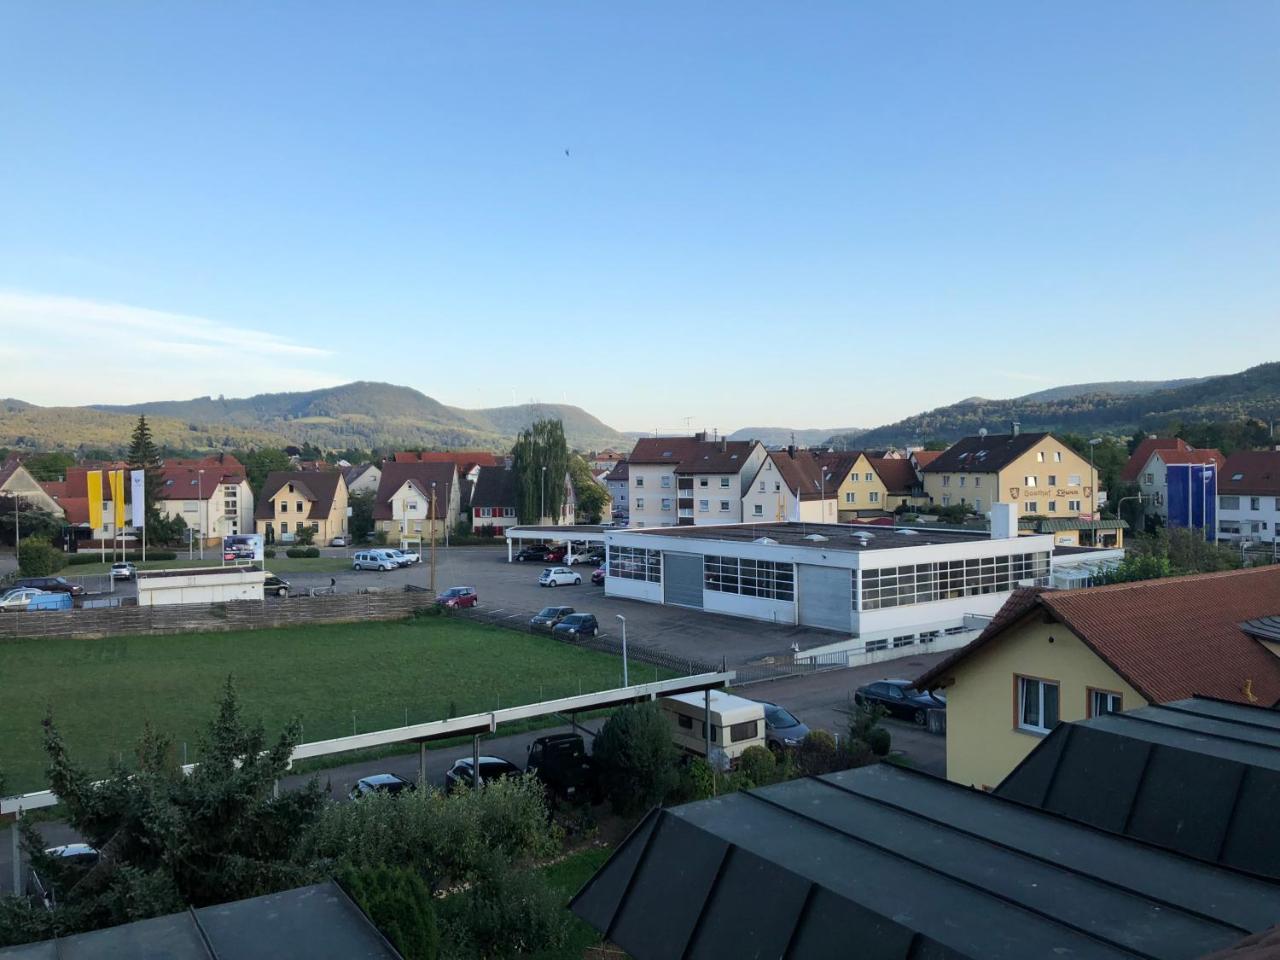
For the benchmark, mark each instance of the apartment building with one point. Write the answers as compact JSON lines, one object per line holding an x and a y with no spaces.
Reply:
{"x":1037,"y":471}
{"x":1249,"y":496}
{"x":792,"y":484}
{"x":211,"y":494}
{"x":683,"y":481}
{"x":617,"y":483}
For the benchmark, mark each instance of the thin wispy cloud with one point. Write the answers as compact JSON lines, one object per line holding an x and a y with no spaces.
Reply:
{"x":125,"y":354}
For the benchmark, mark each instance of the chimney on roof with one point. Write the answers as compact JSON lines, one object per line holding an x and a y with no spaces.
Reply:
{"x":724,"y":444}
{"x":700,"y":436}
{"x":1015,"y":427}
{"x":791,"y":451}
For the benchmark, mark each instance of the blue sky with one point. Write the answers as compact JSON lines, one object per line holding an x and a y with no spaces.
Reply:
{"x":819,"y":214}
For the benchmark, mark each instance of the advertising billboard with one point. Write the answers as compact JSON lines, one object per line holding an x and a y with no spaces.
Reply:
{"x":242,"y":548}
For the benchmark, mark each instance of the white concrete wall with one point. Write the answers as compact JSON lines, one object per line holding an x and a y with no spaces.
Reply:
{"x":1262,"y":524}
{"x":633,"y":589}
{"x":859,"y":655}
{"x":754,"y":608}
{"x":218,"y":587}
{"x":914,"y":617}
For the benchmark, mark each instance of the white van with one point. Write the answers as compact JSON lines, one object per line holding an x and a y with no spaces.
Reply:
{"x":736,"y":723}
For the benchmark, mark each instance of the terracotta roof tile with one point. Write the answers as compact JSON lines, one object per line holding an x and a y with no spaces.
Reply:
{"x":1143,"y":451}
{"x":1258,"y":470}
{"x":1193,"y":456}
{"x":1170,"y":639}
{"x":898,"y":476}
{"x":693,"y":454}
{"x":926,"y":457}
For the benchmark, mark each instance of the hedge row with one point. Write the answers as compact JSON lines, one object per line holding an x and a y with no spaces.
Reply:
{"x":80,"y":559}
{"x":309,"y":552}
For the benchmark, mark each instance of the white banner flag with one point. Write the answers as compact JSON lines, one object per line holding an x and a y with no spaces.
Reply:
{"x":138,"y":498}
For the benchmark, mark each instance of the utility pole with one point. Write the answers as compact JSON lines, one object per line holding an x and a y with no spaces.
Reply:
{"x":625,"y":681}
{"x":17,"y":538}
{"x":203,"y":515}
{"x":433,"y":538}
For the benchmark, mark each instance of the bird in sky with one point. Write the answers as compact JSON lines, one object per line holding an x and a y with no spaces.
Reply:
{"x":566,"y":151}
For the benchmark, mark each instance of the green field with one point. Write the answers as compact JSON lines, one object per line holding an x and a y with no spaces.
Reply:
{"x":336,"y":678}
{"x":278,"y":565}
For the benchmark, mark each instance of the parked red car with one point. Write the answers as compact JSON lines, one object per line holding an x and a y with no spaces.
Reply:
{"x":458,"y":598}
{"x":597,"y":576}
{"x":556,"y":554}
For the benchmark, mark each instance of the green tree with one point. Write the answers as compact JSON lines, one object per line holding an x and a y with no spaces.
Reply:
{"x":260,"y":462}
{"x":40,"y":558}
{"x":305,"y":536}
{"x":540,"y":460}
{"x":593,"y":498}
{"x":214,"y":835}
{"x":49,"y":466}
{"x":143,"y":455}
{"x":636,"y":758}
{"x":31,"y":521}
{"x":167,"y":529}
{"x":361,"y":523}
{"x":817,"y":754}
{"x":398,"y":902}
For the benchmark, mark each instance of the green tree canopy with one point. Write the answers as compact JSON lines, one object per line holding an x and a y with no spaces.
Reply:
{"x":593,"y":498}
{"x":143,"y":455}
{"x":636,"y":758}
{"x":540,"y":460}
{"x":49,"y":466}
{"x":260,"y":462}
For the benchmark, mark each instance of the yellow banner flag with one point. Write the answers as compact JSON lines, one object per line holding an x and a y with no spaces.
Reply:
{"x":117,"y":496}
{"x":94,"y":480}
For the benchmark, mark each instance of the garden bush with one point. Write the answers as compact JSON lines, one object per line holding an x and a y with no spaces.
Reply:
{"x":758,"y":768}
{"x":507,"y":914}
{"x":40,"y":558}
{"x":86,"y":556}
{"x":694,"y":781}
{"x":879,"y":741}
{"x":817,"y":754}
{"x":309,"y":553}
{"x":399,"y":904}
{"x":269,"y":554}
{"x":636,"y":759}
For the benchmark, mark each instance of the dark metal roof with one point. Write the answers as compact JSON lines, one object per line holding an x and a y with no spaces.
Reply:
{"x":891,"y":863}
{"x":1263,"y":628}
{"x":317,"y":922}
{"x":1200,"y":777}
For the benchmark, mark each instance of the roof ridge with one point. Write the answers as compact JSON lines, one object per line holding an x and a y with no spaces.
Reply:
{"x":1152,"y":583}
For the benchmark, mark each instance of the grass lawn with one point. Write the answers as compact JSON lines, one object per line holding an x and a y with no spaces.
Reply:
{"x":567,"y":878}
{"x":369,"y":675}
{"x":279,"y":564}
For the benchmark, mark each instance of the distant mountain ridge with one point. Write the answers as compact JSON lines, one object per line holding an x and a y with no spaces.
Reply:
{"x":1119,"y":388}
{"x":803,"y":437}
{"x":1251,"y":393}
{"x":363,"y":414}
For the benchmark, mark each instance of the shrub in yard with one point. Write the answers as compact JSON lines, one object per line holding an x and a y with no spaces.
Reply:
{"x":296,"y":552}
{"x":509,"y":913}
{"x":879,"y":740}
{"x":817,"y":754}
{"x":636,"y":758}
{"x":447,"y":839}
{"x":399,"y":904}
{"x":757,"y":767}
{"x":855,"y":753}
{"x":40,"y":558}
{"x":313,"y":552}
{"x":695,"y":781}
{"x":269,"y":554}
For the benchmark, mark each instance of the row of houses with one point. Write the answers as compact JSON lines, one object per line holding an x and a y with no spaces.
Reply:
{"x":701,"y":480}
{"x":1235,"y":498}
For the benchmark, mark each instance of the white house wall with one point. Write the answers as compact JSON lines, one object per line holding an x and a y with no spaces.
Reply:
{"x":1245,"y":523}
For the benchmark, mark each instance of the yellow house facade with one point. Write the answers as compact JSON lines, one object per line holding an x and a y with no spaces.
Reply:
{"x":293,"y":501}
{"x":1056,"y":656}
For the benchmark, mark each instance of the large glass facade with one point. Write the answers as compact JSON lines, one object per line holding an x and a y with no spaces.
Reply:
{"x":768,"y":579}
{"x":635,"y":563}
{"x":950,"y":579}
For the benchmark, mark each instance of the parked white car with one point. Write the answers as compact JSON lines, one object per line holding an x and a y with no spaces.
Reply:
{"x":556,"y":576}
{"x":406,"y":558}
{"x":123,"y":571}
{"x":338,"y":542}
{"x":373,"y":560}
{"x":18,"y":598}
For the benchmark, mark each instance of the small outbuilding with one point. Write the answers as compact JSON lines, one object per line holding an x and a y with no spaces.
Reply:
{"x":199,"y":585}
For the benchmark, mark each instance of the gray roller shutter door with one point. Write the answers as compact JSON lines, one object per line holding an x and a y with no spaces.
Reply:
{"x":682,"y":579}
{"x":826,"y":597}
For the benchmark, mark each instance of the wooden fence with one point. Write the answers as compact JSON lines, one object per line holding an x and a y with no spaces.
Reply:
{"x":188,"y":617}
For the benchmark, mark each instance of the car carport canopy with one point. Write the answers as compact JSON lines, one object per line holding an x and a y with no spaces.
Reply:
{"x":582,"y":535}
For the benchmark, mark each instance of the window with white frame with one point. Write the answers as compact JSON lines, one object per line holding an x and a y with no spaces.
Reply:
{"x":1073,"y":479}
{"x":666,"y":481}
{"x":1073,"y":506}
{"x":767,"y":579}
{"x":1040,"y":456}
{"x":946,"y":479}
{"x":1255,"y":503}
{"x":977,"y":481}
{"x":950,"y":579}
{"x":1037,"y":704}
{"x":635,"y":563}
{"x":762,"y":486}
{"x":853,"y":478}
{"x":702,"y":481}
{"x":868,"y":477}
{"x":724,"y":483}
{"x":704,"y":506}
{"x":1057,"y":456}
{"x":963,"y":480}
{"x":639,"y":503}
{"x":1151,"y":478}
{"x":1031,"y":506}
{"x":1053,"y":479}
{"x":724,"y":506}
{"x":946,"y":500}
{"x":666,"y":503}
{"x":1104,"y":701}
{"x":508,"y":511}
{"x":874,"y":496}
{"x":640,"y":482}
{"x":850,"y":497}
{"x":1053,"y":506}
{"x":1029,"y":481}
{"x":1229,"y":503}
{"x":758,"y":511}
{"x":977,"y":504}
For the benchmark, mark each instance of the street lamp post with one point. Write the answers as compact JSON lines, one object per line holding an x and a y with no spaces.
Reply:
{"x":203,"y":514}
{"x":542,"y":511}
{"x":17,"y":533}
{"x":624,"y":649}
{"x":1093,"y":480}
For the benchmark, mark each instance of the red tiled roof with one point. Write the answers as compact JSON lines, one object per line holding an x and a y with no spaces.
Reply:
{"x":464,"y":460}
{"x":1193,"y":456}
{"x":395,"y":474}
{"x":898,"y":476}
{"x":1258,"y":470}
{"x":184,"y":479}
{"x":693,"y":454}
{"x":925,"y":457}
{"x":1169,"y":639}
{"x":1143,"y":451}
{"x":804,"y":473}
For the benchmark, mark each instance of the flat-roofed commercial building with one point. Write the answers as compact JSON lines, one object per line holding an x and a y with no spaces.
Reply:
{"x":887,"y":587}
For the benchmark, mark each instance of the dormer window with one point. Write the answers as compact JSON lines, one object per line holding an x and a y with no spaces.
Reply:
{"x":291,"y":488}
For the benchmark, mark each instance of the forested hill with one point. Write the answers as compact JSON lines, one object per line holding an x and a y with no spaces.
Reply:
{"x":1252,"y":393}
{"x":361,"y":415}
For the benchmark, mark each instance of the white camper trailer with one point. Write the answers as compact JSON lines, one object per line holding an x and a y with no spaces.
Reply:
{"x":736,"y":723}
